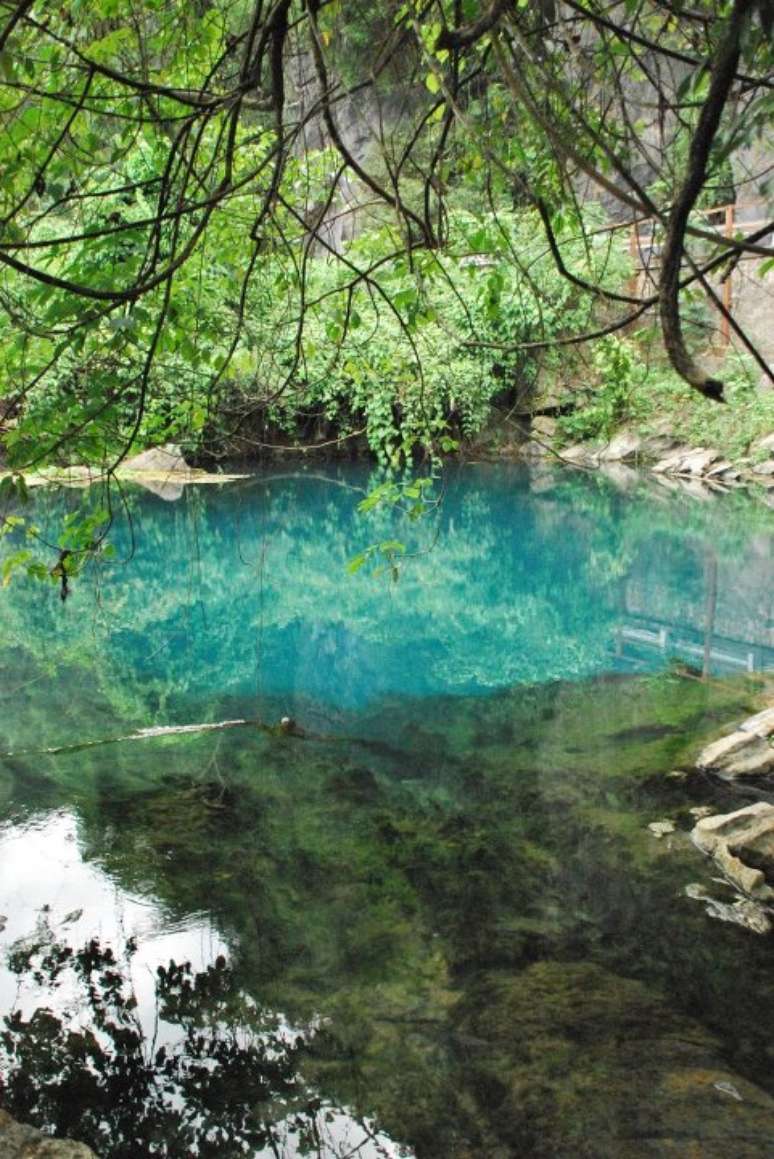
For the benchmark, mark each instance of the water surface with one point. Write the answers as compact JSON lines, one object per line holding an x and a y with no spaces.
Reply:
{"x":436,"y":923}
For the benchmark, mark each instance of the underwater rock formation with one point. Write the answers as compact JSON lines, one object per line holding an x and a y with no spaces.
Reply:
{"x":584,"y":1063}
{"x":18,"y":1141}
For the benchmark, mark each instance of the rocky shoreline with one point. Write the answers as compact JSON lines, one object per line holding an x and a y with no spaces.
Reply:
{"x":677,"y":466}
{"x":741,"y":842}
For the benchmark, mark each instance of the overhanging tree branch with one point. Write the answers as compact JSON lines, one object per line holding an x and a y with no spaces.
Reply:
{"x":723,"y":72}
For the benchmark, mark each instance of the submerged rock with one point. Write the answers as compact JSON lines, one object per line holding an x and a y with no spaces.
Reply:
{"x":746,"y":752}
{"x":18,"y":1141}
{"x":742,"y":845}
{"x":574,"y":1061}
{"x":661,"y":828}
{"x":743,"y":911}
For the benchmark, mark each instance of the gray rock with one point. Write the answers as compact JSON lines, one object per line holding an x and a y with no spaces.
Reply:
{"x":746,"y":879}
{"x":699,"y":461}
{"x":579,"y":453}
{"x":742,"y":845}
{"x":765,"y":444}
{"x":722,"y":468}
{"x":656,"y":446}
{"x":670,"y":464}
{"x":741,"y":912}
{"x":691,"y":461}
{"x":746,"y":752}
{"x":623,"y":447}
{"x":715,"y":755}
{"x":543,"y":427}
{"x":762,"y":724}
{"x":533,"y":449}
{"x":18,"y":1141}
{"x":158,"y":460}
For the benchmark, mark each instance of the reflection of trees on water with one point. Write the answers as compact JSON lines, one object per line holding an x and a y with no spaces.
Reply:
{"x":221,"y":1080}
{"x":246,"y":591}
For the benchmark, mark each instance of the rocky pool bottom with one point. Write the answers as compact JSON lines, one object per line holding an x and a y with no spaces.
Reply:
{"x":443,"y":931}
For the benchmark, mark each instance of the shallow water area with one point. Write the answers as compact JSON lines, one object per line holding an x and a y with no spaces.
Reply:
{"x":432,"y":921}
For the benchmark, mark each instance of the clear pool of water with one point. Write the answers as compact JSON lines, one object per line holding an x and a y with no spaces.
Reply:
{"x":431,"y":922}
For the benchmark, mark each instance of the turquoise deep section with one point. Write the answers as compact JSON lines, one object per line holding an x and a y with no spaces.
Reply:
{"x":243,"y":592}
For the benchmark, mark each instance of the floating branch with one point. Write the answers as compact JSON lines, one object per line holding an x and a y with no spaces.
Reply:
{"x":286,"y":727}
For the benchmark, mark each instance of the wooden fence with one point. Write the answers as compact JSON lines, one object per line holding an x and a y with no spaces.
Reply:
{"x":645,"y":248}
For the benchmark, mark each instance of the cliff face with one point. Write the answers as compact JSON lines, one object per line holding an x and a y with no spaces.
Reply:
{"x":376,"y":120}
{"x":370,"y":124}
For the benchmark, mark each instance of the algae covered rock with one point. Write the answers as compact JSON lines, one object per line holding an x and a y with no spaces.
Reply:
{"x":576,"y":1061}
{"x":18,"y":1141}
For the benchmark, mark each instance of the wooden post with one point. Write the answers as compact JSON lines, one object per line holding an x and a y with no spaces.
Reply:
{"x":725,"y":329}
{"x":634,"y":250}
{"x":711,"y":582}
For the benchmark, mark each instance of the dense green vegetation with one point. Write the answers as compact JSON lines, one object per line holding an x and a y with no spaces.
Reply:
{"x":411,"y":818}
{"x":228,"y":226}
{"x":238,"y":226}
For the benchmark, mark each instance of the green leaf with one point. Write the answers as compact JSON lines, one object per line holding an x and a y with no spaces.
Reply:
{"x":354,"y":565}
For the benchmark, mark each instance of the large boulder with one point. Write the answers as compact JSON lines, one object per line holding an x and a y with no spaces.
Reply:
{"x":624,"y":447}
{"x":18,"y":1141}
{"x":158,"y":461}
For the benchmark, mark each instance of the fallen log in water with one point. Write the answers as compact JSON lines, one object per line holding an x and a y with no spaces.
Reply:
{"x":285,"y":727}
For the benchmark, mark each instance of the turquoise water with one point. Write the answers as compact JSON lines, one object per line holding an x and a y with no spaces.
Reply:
{"x":433,"y":922}
{"x":243,"y":592}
